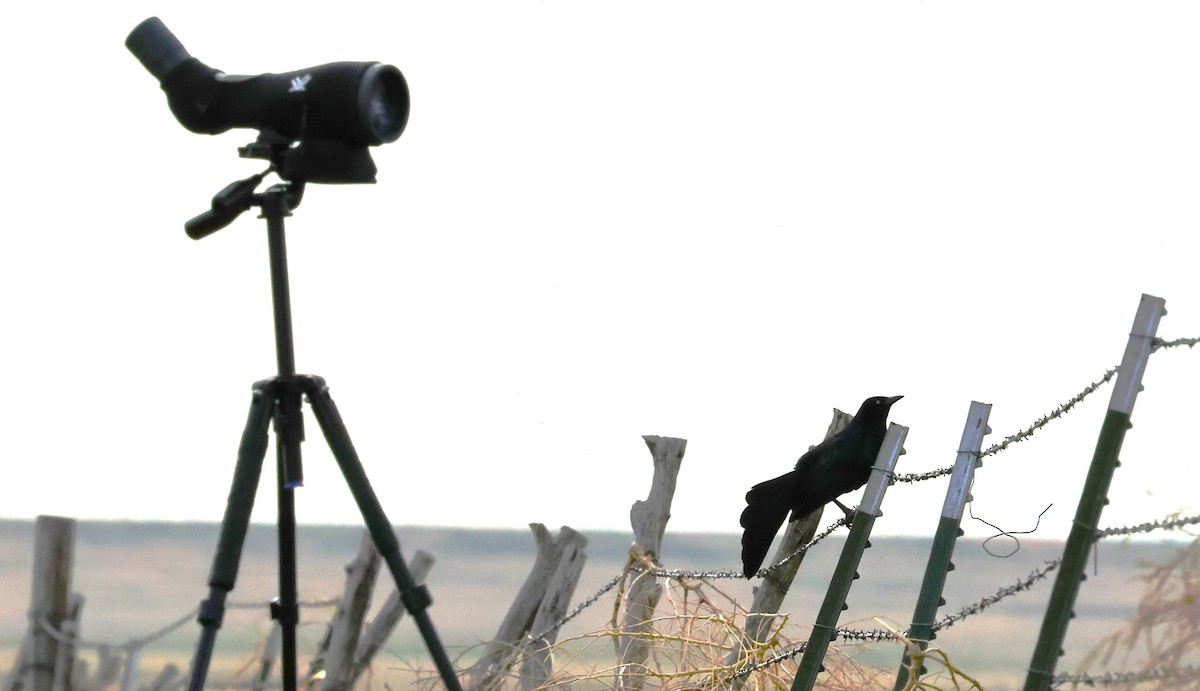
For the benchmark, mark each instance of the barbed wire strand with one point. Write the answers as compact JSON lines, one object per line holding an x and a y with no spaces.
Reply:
{"x":1160,"y":343}
{"x":1171,"y":523}
{"x":1113,"y":678}
{"x":1019,"y":436}
{"x":137,"y":642}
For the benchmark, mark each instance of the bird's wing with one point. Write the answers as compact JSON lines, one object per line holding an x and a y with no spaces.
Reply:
{"x":767,"y":505}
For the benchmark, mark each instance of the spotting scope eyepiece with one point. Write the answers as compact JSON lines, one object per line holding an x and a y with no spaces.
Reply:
{"x":337,"y":106}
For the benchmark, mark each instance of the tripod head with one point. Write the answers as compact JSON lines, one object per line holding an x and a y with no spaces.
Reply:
{"x":238,"y":196}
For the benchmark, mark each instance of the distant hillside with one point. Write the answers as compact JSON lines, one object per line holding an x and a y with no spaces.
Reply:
{"x":138,"y":577}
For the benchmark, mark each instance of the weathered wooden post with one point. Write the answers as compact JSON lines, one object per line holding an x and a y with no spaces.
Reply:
{"x":267,"y":660}
{"x":948,"y":531}
{"x":536,"y":669}
{"x":825,"y":628}
{"x":53,"y":557}
{"x":336,"y":656}
{"x":489,"y":672}
{"x":389,"y":615}
{"x":769,"y":595}
{"x":1095,"y":494}
{"x":15,"y":680}
{"x":649,"y":519}
{"x":133,"y":658}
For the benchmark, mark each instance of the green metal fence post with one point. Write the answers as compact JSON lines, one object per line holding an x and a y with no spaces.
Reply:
{"x":948,"y":531}
{"x":825,"y":629}
{"x":1095,"y":494}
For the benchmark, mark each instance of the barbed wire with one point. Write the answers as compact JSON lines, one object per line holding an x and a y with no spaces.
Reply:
{"x":1172,"y":523}
{"x":1020,"y":586}
{"x":775,"y":659}
{"x":1019,"y":436}
{"x":138,"y":642}
{"x":580,"y":607}
{"x":1046,"y":419}
{"x":1160,"y":343}
{"x":1113,"y":678}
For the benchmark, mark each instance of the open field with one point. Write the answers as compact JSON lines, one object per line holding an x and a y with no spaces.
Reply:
{"x":139,"y":577}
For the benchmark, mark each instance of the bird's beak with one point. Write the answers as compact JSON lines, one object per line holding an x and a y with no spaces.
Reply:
{"x":893,"y":399}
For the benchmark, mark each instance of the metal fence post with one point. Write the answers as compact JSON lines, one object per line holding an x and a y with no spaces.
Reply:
{"x":948,"y":532}
{"x":1095,"y":494}
{"x":825,"y":628}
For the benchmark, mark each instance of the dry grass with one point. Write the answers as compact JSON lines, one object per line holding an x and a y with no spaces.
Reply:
{"x":691,"y":649}
{"x":1162,"y":638}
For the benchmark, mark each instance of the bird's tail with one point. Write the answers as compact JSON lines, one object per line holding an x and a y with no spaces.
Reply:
{"x":767,"y":505}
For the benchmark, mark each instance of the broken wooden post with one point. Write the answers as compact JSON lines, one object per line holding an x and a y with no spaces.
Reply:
{"x":769,"y":595}
{"x":389,"y":615}
{"x":489,"y":672}
{"x":344,"y":630}
{"x":537,"y":667}
{"x":649,"y":520}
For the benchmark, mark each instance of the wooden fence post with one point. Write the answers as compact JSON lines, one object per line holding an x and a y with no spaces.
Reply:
{"x":536,"y":669}
{"x":1095,"y":494}
{"x":948,"y":531}
{"x":133,"y":658}
{"x":389,"y":615}
{"x":15,"y":681}
{"x":270,"y":651}
{"x":336,"y":656}
{"x":769,"y":595}
{"x":649,"y":519}
{"x":165,"y":678}
{"x":825,"y":628}
{"x":108,"y":668}
{"x":489,"y":672}
{"x":53,"y":556}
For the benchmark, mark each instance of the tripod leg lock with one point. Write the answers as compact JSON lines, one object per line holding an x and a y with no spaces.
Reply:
{"x":284,"y":614}
{"x":212,"y":609}
{"x":416,"y":599}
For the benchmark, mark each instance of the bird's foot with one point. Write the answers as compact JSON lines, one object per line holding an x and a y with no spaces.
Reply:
{"x":849,"y":512}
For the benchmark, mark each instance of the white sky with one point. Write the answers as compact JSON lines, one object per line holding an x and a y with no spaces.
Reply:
{"x":607,"y":220}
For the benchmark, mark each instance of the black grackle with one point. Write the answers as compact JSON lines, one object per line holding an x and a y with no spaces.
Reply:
{"x":837,"y":465}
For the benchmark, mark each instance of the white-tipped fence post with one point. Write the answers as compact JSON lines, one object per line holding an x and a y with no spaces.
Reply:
{"x":1095,"y":494}
{"x":649,"y":519}
{"x":948,"y":532}
{"x":825,"y":628}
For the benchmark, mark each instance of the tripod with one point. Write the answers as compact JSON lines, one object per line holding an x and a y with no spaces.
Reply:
{"x":278,"y":399}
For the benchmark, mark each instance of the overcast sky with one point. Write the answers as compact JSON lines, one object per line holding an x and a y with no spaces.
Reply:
{"x":703,"y":220}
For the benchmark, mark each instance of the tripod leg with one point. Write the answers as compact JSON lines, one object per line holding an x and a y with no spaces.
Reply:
{"x":289,"y":432}
{"x":221,"y":578}
{"x":415,"y":597}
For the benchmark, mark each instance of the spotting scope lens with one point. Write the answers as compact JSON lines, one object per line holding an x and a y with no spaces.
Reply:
{"x":383,"y":102}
